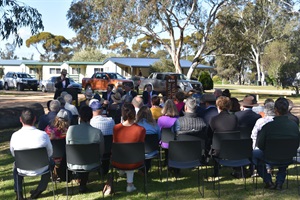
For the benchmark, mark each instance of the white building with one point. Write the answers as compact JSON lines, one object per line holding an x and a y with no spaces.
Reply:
{"x":77,"y":70}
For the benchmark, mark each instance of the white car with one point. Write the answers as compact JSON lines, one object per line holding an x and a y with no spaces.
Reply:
{"x":49,"y":85}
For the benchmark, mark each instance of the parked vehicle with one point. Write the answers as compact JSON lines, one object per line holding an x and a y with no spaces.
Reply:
{"x":49,"y":85}
{"x":1,"y":85}
{"x":20,"y":80}
{"x":100,"y":80}
{"x":158,"y":80}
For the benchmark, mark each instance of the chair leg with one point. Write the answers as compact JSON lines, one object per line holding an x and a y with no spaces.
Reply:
{"x":51,"y":174}
{"x":67,"y":180}
{"x":219,"y":193}
{"x":167,"y":193}
{"x":199,"y":184}
{"x":243,"y":175}
{"x":145,"y":181}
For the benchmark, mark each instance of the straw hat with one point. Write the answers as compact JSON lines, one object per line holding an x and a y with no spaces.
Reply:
{"x":249,"y":101}
{"x":117,"y":97}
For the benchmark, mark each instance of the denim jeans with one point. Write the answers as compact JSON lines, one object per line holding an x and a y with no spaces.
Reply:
{"x":257,"y":158}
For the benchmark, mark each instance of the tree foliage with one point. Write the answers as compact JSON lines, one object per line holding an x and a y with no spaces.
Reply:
{"x":102,"y":22}
{"x":9,"y":52}
{"x":55,"y":47}
{"x":16,"y":16}
{"x":163,"y":65}
{"x":206,"y":80}
{"x":89,"y":55}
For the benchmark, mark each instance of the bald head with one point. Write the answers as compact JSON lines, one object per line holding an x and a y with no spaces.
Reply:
{"x":137,"y":102}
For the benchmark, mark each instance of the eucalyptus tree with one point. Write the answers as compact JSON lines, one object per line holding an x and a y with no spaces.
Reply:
{"x":14,"y":16}
{"x":55,"y":48}
{"x":9,"y":52}
{"x":102,"y":22}
{"x":89,"y":55}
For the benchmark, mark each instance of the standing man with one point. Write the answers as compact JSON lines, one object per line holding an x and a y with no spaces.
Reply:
{"x":29,"y":137}
{"x":62,"y":82}
{"x":128,"y":94}
{"x":108,"y":94}
{"x":84,"y":133}
{"x":147,"y":95}
{"x":281,"y":127}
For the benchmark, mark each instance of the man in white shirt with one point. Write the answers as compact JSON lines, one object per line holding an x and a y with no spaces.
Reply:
{"x":29,"y":137}
{"x":68,"y":98}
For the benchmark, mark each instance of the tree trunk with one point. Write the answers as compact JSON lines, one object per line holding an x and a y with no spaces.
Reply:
{"x":176,"y":61}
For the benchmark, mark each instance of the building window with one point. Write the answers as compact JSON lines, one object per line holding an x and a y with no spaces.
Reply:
{"x":98,"y":70}
{"x":54,"y":70}
{"x":75,"y":70}
{"x":32,"y":71}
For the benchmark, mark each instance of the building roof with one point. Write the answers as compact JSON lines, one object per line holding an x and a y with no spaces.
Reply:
{"x":125,"y":61}
{"x":147,"y":62}
{"x":14,"y":62}
{"x":83,"y":63}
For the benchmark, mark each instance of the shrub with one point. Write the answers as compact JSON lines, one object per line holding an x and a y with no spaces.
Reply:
{"x":217,"y":79}
{"x":206,"y":81}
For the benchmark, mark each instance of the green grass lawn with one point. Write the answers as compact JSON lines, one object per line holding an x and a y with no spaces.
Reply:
{"x":184,"y":188}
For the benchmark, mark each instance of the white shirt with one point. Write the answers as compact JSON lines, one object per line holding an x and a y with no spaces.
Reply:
{"x":71,"y":108}
{"x":258,"y":126}
{"x":29,"y":137}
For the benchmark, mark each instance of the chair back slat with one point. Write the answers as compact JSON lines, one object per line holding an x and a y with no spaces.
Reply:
{"x":83,"y":154}
{"x":151,"y":143}
{"x":31,"y":159}
{"x":167,"y":135}
{"x":226,"y":135}
{"x":59,"y":148}
{"x":280,"y":150}
{"x":128,"y":153}
{"x":184,"y":151}
{"x":236,"y":149}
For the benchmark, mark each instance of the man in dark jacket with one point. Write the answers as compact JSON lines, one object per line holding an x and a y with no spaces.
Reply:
{"x":189,"y":123}
{"x":61,"y":83}
{"x":281,"y":127}
{"x":147,"y":95}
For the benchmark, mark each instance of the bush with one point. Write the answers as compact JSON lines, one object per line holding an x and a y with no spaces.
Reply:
{"x":206,"y":81}
{"x":217,"y":79}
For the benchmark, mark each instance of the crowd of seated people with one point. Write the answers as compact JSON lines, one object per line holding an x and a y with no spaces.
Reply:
{"x":128,"y":117}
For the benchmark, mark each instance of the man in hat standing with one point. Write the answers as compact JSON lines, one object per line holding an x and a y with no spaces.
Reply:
{"x":62,"y":82}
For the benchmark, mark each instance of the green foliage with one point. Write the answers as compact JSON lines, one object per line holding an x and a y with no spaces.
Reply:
{"x":15,"y":16}
{"x":288,"y":73}
{"x":9,"y":52}
{"x":56,"y":47}
{"x":206,"y":80}
{"x":217,"y":79}
{"x":89,"y":55}
{"x":163,"y":65}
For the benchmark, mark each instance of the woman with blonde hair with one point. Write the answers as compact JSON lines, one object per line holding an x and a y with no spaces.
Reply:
{"x":144,"y":118}
{"x":167,"y":120}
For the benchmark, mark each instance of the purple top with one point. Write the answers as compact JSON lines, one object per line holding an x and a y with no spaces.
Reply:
{"x":166,"y":122}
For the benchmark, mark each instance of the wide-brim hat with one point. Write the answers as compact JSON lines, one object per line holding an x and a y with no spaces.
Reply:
{"x":63,"y":71}
{"x":208,"y":98}
{"x":249,"y":101}
{"x":117,"y":97}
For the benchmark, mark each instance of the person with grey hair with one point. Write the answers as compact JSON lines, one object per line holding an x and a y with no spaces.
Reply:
{"x":46,"y":119}
{"x":292,"y":117}
{"x":137,"y":102}
{"x":68,"y":99}
{"x":269,"y":115}
{"x":190,"y":123}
